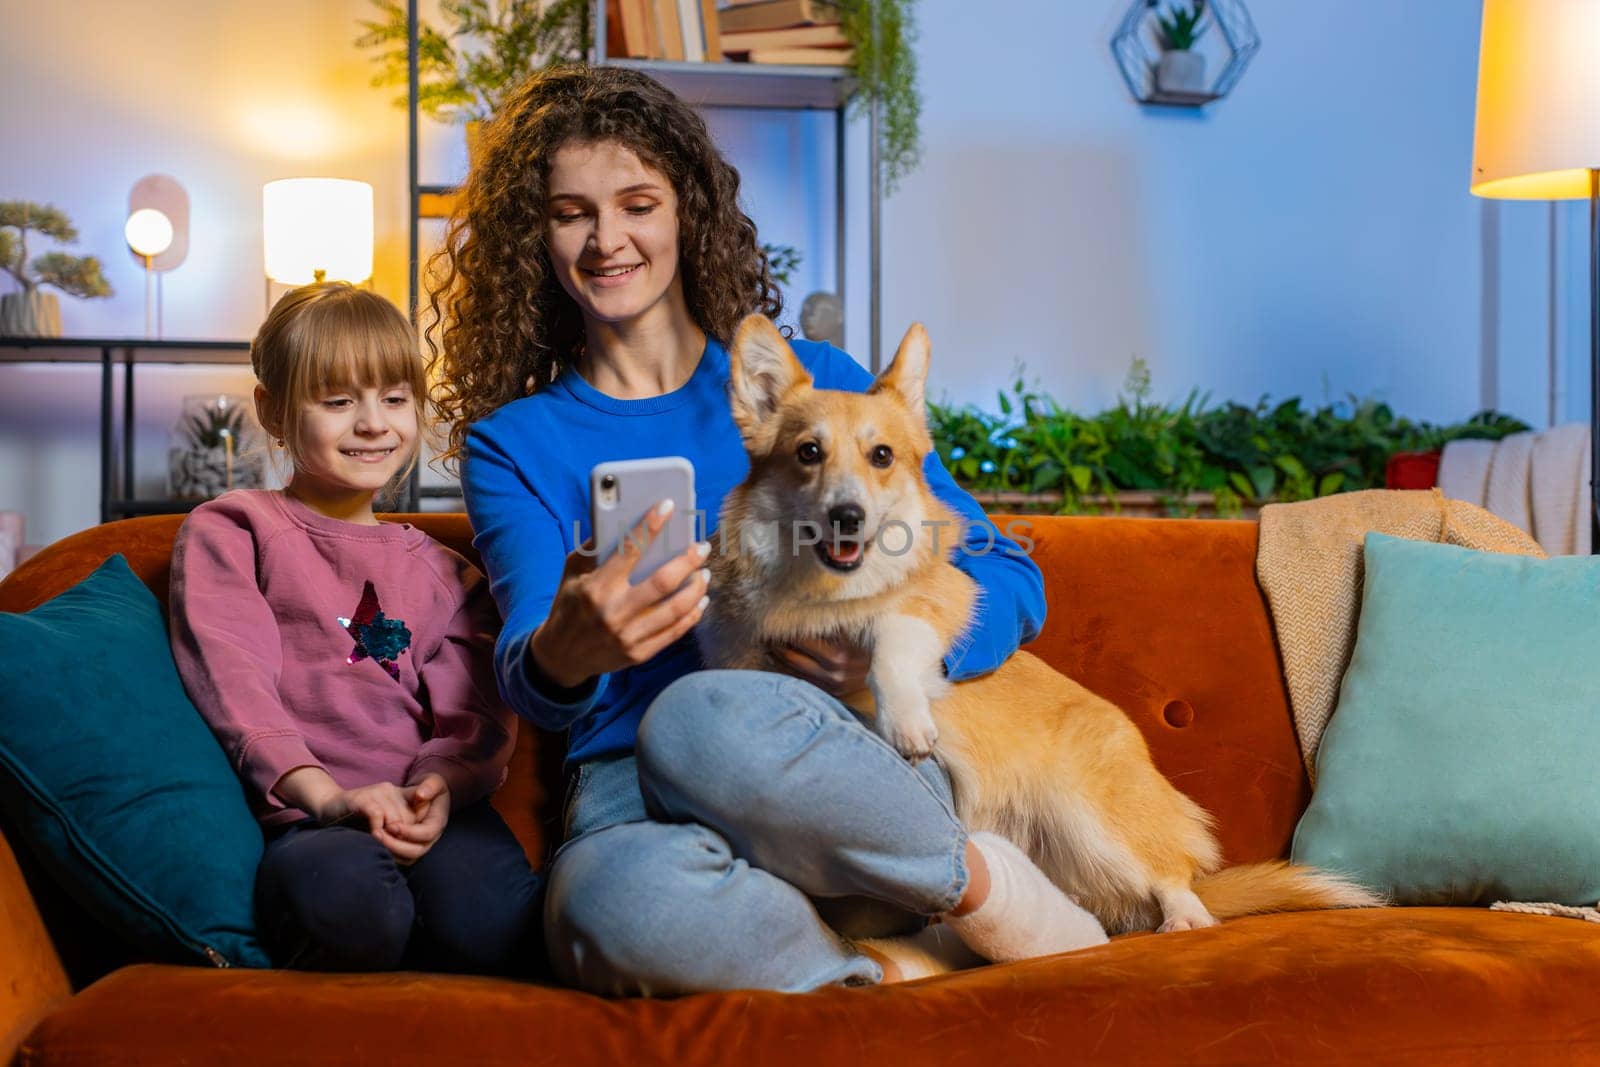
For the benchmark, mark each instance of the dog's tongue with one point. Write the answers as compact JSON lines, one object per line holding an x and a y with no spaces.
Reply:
{"x":844,"y":551}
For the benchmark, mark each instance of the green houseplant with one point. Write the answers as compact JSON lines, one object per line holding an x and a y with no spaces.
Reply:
{"x":30,"y":312}
{"x":1181,"y":69}
{"x":1179,"y":458}
{"x":487,"y":49}
{"x":782,"y":261}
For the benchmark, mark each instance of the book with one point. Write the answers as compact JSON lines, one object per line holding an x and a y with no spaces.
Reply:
{"x":669,"y":32}
{"x":633,"y":22}
{"x":694,"y":35}
{"x":775,"y":14}
{"x":822,"y":35}
{"x":814,"y":57}
{"x":713,"y":31}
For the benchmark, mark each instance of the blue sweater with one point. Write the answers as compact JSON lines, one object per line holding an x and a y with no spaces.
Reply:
{"x":526,"y":482}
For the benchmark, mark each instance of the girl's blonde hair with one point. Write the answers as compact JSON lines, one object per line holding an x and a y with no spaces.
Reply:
{"x":329,"y":336}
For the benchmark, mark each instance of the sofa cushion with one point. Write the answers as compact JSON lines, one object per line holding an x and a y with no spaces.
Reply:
{"x":1394,"y":986}
{"x":114,"y":781}
{"x":1460,"y":763}
{"x":1163,"y":617}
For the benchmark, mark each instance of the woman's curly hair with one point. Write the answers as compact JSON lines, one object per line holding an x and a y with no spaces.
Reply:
{"x":501,"y":326}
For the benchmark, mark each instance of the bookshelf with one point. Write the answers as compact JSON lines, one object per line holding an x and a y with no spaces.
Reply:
{"x":705,"y":85}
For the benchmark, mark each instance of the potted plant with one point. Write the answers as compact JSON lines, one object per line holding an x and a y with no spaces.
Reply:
{"x":213,"y":449}
{"x":1145,"y":457}
{"x":465,"y":72}
{"x":32,"y":313}
{"x":1181,"y":69}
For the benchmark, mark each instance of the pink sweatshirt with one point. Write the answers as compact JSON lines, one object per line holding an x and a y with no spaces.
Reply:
{"x":364,"y":650}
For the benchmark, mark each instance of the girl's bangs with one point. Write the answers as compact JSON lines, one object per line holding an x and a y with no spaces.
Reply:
{"x":363,"y":351}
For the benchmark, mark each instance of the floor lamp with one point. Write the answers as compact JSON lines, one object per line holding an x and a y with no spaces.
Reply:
{"x":1538,"y":138}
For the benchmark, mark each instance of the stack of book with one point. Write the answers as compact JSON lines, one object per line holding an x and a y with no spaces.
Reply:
{"x":683,"y":30}
{"x":783,"y":31}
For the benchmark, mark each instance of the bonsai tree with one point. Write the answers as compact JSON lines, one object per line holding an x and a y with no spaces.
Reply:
{"x":73,"y":275}
{"x":465,"y":72}
{"x":1179,"y":28}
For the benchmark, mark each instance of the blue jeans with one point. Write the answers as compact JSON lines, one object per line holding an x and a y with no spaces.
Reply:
{"x":757,"y":825}
{"x":331,"y":898}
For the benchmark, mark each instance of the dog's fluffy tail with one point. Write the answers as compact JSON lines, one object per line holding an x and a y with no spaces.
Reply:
{"x":1256,"y":888}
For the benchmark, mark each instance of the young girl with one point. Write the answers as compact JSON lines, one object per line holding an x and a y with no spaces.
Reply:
{"x":346,"y":667}
{"x":725,"y":828}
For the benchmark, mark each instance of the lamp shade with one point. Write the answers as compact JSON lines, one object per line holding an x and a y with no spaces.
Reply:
{"x":1538,"y":128}
{"x":312,"y":225}
{"x":149,"y":232}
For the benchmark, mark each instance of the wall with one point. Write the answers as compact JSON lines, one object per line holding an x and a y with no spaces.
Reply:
{"x":1311,"y":234}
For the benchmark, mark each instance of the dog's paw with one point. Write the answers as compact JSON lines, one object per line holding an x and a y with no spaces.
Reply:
{"x":1187,"y":920}
{"x":913,"y":734}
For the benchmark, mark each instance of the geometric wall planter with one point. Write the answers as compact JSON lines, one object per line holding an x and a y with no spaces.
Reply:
{"x":1137,"y":57}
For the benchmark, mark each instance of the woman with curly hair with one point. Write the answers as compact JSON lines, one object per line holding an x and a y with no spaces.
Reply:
{"x":598,"y":263}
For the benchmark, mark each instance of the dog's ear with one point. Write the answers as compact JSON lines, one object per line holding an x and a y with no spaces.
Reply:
{"x":908,"y":374}
{"x":762,"y":369}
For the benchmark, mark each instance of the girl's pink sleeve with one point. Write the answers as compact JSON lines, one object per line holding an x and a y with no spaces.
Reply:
{"x":227,"y":647}
{"x":473,"y":730}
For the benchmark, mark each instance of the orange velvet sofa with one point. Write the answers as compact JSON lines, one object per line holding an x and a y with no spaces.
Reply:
{"x":1162,"y":616}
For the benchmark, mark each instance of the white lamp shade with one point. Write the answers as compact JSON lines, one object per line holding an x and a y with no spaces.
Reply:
{"x":149,"y":232}
{"x":317,"y":224}
{"x":1538,"y":128}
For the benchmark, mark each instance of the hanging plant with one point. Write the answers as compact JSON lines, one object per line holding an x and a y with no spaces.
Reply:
{"x":491,"y":46}
{"x":885,"y":69}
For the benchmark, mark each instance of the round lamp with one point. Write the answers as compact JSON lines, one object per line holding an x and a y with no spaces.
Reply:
{"x":149,"y":232}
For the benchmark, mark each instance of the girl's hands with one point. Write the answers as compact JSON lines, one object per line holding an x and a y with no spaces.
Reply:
{"x":373,"y":805}
{"x":406,"y":820}
{"x":599,"y":622}
{"x":838,"y":667}
{"x":430,"y":810}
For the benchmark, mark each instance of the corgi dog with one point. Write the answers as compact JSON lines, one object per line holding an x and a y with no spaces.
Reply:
{"x":835,"y":534}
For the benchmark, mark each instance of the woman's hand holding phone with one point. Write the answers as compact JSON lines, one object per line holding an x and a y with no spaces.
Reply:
{"x":600,"y":622}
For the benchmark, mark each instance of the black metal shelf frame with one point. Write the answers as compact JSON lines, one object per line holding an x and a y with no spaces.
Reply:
{"x":116,"y":498}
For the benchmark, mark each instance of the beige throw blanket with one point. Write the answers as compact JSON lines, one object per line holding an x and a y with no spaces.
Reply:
{"x":1308,"y":561}
{"x":1537,"y":481}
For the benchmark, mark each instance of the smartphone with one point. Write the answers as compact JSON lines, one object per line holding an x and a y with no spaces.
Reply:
{"x":622,"y":492}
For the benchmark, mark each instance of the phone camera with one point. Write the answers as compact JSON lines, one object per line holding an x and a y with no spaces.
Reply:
{"x":608,"y":481}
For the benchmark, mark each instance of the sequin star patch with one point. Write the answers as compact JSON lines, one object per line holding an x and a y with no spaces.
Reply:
{"x":377,"y":637}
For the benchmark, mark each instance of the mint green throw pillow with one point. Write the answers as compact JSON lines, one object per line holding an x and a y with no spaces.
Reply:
{"x":1462,"y":765}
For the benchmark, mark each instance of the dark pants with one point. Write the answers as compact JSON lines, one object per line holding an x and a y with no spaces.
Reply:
{"x":331,"y":898}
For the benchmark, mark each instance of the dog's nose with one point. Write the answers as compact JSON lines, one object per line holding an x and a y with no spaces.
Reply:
{"x":847,"y":518}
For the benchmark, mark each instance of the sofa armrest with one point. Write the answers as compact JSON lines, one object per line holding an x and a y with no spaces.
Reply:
{"x":32,"y":980}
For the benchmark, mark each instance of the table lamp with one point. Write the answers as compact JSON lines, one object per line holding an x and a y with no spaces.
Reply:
{"x":316,"y":229}
{"x":1538,"y":138}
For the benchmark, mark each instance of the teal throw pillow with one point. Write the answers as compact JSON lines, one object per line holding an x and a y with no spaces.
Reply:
{"x":114,"y":781}
{"x":1462,"y":764}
